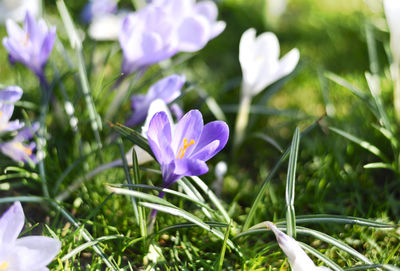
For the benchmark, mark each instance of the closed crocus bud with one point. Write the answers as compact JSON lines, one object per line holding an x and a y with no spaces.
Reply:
{"x":298,"y":259}
{"x":259,"y":59}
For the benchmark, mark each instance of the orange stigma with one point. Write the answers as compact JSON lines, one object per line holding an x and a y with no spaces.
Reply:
{"x":182,"y":150}
{"x":26,"y":150}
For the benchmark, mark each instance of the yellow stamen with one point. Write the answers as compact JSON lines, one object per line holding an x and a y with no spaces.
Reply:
{"x":182,"y":150}
{"x":3,"y":266}
{"x":25,"y":42}
{"x":28,"y":151}
{"x":1,"y":113}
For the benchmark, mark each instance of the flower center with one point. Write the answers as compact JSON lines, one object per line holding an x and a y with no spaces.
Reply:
{"x":4,"y":266}
{"x":182,"y":150}
{"x":26,"y":40}
{"x":28,"y":151}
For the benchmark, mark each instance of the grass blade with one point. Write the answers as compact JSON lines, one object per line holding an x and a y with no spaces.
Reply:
{"x":188,"y":216}
{"x":320,"y":256}
{"x":290,"y":184}
{"x":223,"y":249}
{"x":214,"y":199}
{"x":264,"y":185}
{"x":362,"y":143}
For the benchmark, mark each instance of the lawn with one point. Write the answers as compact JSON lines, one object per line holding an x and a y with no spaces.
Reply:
{"x":318,"y":155}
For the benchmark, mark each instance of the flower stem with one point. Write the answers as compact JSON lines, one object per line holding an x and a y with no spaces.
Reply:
{"x":396,"y":90}
{"x":241,"y":121}
{"x":41,"y":141}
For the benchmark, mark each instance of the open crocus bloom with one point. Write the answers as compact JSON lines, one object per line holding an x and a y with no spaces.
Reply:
{"x":32,"y":253}
{"x":166,"y":89}
{"x":17,"y":149}
{"x":31,"y":45}
{"x":392,"y":12}
{"x":298,"y":259}
{"x":184,"y":149}
{"x":16,"y":9}
{"x":259,"y":59}
{"x":8,"y":97}
{"x":165,"y":27}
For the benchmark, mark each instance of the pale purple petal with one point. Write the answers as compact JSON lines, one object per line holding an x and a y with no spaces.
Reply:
{"x":159,"y":136}
{"x":167,"y":89}
{"x":213,"y":139}
{"x":39,"y":251}
{"x":168,"y":173}
{"x":27,"y":133}
{"x":11,"y":223}
{"x":18,"y":151}
{"x":177,"y":110}
{"x":189,"y":128}
{"x":190,"y":167}
{"x":11,"y":94}
{"x":207,"y":9}
{"x":193,"y":33}
{"x":47,"y":45}
{"x":96,"y":8}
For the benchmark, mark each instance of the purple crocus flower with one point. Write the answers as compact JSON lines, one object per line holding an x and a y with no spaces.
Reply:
{"x":165,"y":27}
{"x":184,"y":149}
{"x":8,"y":97}
{"x":19,"y":151}
{"x":31,"y":45}
{"x":166,"y":89}
{"x":26,"y":253}
{"x":98,"y":8}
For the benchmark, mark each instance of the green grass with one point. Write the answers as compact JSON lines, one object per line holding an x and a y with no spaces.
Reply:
{"x":99,"y":230}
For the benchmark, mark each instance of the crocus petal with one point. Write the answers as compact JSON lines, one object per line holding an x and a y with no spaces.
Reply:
{"x":298,"y":259}
{"x":159,"y":136}
{"x":37,"y":251}
{"x":27,"y":133}
{"x":47,"y":45}
{"x":167,"y":89}
{"x":193,"y":33}
{"x":11,"y":94}
{"x":190,"y":167}
{"x":107,"y":27}
{"x":190,"y":128}
{"x":207,"y":9}
{"x":156,"y":106}
{"x":213,"y":139}
{"x":288,"y":63}
{"x":392,"y":12}
{"x":11,"y":223}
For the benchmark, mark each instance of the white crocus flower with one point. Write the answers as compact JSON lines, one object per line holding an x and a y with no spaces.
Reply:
{"x":392,"y":12}
{"x":32,"y":253}
{"x":261,"y":66}
{"x":16,"y":9}
{"x":259,"y":58}
{"x":298,"y":259}
{"x":107,"y":27}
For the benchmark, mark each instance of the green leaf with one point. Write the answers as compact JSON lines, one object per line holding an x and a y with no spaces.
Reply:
{"x":290,"y":184}
{"x":321,"y":256}
{"x":362,"y":143}
{"x":188,"y":216}
{"x":264,"y":186}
